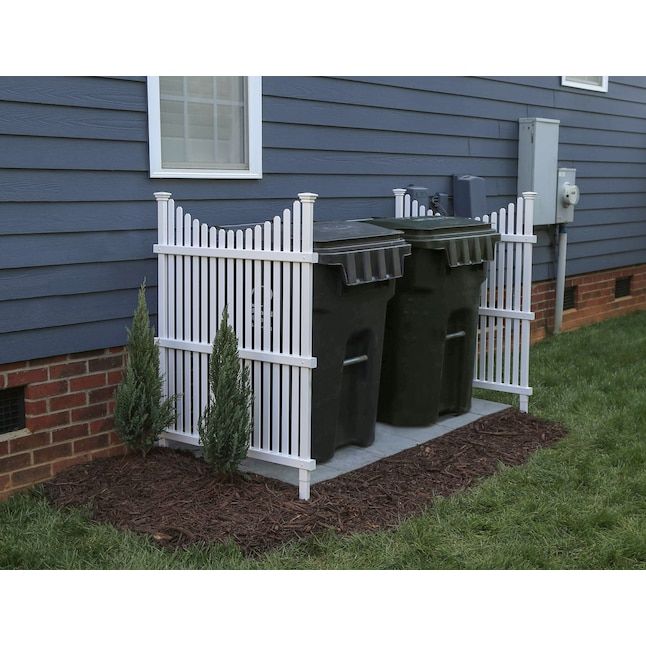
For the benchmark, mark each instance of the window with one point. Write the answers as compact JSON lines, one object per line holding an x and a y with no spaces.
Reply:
{"x":596,"y":83}
{"x":205,"y":126}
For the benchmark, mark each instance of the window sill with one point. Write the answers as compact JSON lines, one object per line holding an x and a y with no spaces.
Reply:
{"x":196,"y":174}
{"x":21,"y":432}
{"x":586,"y":86}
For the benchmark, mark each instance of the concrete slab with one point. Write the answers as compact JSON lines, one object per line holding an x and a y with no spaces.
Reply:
{"x":389,"y":440}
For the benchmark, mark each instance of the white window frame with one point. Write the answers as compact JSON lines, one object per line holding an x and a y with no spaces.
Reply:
{"x":586,"y":86}
{"x":254,"y":138}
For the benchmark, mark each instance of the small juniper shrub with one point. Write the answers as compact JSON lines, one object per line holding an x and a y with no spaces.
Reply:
{"x":141,"y":413}
{"x":225,"y":425}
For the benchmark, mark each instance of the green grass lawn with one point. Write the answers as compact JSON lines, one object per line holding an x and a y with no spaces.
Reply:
{"x":580,"y":504}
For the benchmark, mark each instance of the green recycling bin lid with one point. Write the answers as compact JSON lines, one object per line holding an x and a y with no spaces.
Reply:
{"x":366,"y":252}
{"x":465,"y":241}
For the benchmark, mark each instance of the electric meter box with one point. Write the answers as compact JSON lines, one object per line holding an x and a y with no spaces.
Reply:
{"x":567,"y":195}
{"x":538,"y":148}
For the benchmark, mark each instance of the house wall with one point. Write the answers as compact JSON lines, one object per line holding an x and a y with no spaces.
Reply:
{"x":77,"y":217}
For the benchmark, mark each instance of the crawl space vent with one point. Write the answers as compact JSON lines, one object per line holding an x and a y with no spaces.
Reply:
{"x":12,"y":409}
{"x":622,"y":287}
{"x":569,"y":298}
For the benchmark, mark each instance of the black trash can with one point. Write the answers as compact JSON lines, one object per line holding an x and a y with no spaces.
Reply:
{"x":358,"y":264}
{"x":431,"y":323}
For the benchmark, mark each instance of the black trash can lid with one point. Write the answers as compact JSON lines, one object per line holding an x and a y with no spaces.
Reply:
{"x":465,"y":241}
{"x":365,"y":252}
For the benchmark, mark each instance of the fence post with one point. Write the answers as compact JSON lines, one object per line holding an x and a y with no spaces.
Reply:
{"x":528,"y":230}
{"x":307,"y":205}
{"x":162,"y":275}
{"x":399,"y":201}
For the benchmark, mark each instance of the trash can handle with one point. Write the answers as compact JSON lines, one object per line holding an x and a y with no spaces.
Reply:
{"x":351,"y":361}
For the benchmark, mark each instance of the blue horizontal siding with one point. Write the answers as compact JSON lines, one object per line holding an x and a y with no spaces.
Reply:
{"x":77,"y":217}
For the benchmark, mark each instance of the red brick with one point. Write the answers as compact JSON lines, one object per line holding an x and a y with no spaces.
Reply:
{"x":114,"y":439}
{"x":14,"y":462}
{"x":23,"y":377}
{"x":91,"y":443}
{"x":115,"y":377}
{"x":49,"y":421}
{"x":4,"y":447}
{"x":35,"y":407}
{"x":11,"y":367}
{"x":105,"y":363}
{"x":31,"y":476}
{"x":40,"y":391}
{"x":89,"y":412}
{"x":2,"y":380}
{"x":51,"y":453}
{"x":117,"y":350}
{"x":29,"y":442}
{"x":68,"y":370}
{"x":48,"y":361}
{"x":101,"y":425}
{"x":87,"y":382}
{"x":89,"y":354}
{"x":5,"y":482}
{"x":70,"y":433}
{"x":68,"y":401}
{"x":101,"y":395}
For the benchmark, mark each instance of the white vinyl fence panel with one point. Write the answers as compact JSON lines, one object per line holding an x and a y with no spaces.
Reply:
{"x":263,"y":275}
{"x":502,"y":361}
{"x":502,"y":354}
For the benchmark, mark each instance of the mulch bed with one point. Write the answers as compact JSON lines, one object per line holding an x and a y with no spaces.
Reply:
{"x":174,"y":497}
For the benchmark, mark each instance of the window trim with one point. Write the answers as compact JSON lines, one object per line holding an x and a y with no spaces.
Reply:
{"x":254,"y":134}
{"x":586,"y":86}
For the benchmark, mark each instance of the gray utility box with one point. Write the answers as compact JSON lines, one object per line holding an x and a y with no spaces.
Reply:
{"x":538,"y":148}
{"x":469,"y":196}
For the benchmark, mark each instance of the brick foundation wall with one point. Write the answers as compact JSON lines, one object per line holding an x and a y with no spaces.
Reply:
{"x":69,"y":407}
{"x":595,"y":299}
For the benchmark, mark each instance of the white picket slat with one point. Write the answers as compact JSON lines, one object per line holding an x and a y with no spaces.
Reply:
{"x":500,"y":260}
{"x":179,"y":291}
{"x":285,"y":412}
{"x":195,"y":334}
{"x":518,"y":257}
{"x":266,"y":340}
{"x":204,"y":319}
{"x":171,"y":355}
{"x":276,"y":326}
{"x":296,"y":331}
{"x":257,"y":337}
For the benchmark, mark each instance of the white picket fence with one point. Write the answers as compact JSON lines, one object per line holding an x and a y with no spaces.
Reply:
{"x":263,"y":275}
{"x":407,"y":208}
{"x":502,"y":354}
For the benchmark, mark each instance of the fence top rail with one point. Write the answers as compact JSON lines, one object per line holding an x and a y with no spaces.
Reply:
{"x":296,"y":225}
{"x":405,"y":207}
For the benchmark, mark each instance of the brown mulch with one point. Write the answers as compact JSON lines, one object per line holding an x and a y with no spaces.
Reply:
{"x":174,"y":497}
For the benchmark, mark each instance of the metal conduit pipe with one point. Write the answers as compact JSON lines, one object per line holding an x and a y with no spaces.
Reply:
{"x":560,"y":277}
